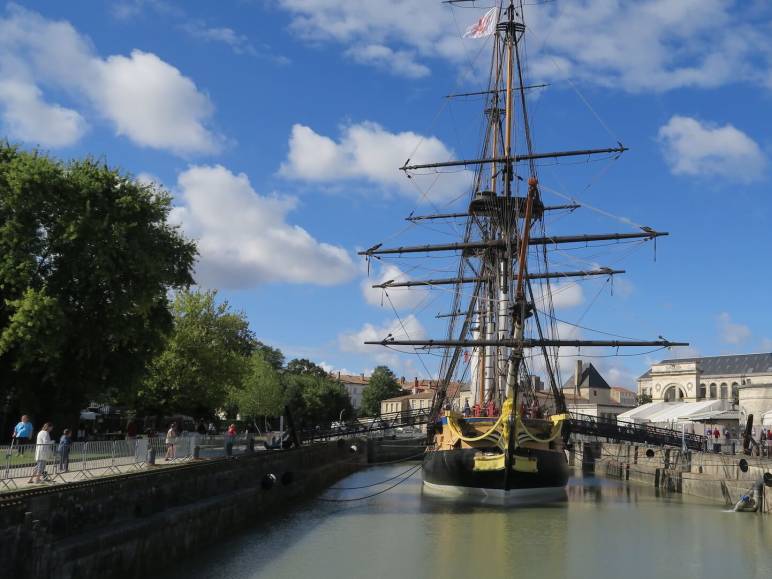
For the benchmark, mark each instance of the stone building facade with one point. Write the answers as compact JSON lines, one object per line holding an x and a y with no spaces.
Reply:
{"x":744,"y":380}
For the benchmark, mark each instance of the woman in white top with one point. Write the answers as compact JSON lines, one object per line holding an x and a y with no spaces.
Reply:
{"x":171,"y":439}
{"x":43,"y":452}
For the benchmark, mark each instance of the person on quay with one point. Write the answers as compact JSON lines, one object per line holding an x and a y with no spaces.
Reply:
{"x":65,"y":442}
{"x":171,"y":441}
{"x":43,"y":453}
{"x":22,"y":433}
{"x":230,"y":438}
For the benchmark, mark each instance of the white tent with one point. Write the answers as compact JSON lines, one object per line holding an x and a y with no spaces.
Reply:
{"x":670,"y":413}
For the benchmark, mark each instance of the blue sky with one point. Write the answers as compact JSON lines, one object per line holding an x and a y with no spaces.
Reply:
{"x":279,"y":127}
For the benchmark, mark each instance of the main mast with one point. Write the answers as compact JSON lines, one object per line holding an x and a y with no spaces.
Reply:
{"x":498,"y":234}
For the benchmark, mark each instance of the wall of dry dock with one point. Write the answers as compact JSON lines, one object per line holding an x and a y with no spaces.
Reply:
{"x":716,"y":477}
{"x":128,"y":525}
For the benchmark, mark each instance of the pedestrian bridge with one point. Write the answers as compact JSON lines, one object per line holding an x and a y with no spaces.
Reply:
{"x":612,"y":430}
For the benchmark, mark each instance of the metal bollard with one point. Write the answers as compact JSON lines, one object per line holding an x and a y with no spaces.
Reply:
{"x":150,"y":459}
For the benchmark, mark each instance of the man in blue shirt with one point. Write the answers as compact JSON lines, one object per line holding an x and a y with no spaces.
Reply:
{"x":22,"y":433}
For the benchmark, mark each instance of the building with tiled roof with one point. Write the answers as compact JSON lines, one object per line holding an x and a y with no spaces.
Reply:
{"x":588,"y":393}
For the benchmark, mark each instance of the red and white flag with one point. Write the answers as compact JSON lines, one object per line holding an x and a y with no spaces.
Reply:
{"x":485,"y":26}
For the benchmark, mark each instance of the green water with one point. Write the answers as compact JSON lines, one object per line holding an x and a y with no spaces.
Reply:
{"x":604,"y":529}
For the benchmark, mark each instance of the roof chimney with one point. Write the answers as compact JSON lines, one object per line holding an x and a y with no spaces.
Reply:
{"x":578,"y":376}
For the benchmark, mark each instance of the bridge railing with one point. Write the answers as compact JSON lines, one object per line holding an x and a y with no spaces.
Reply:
{"x":369,"y":426}
{"x":634,"y":432}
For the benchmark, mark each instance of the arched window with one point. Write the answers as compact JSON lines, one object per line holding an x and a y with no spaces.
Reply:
{"x":713,"y":391}
{"x":724,"y":391}
{"x":735,"y":391}
{"x":701,"y":392}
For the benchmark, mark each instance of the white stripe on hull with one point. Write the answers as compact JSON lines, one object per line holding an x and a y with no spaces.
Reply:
{"x":513,"y":497}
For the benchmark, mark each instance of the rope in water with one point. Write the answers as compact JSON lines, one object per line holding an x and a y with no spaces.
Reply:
{"x":399,"y":482}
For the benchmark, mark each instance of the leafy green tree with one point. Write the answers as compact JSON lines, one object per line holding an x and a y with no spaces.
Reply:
{"x":87,"y":258}
{"x":206,"y":356}
{"x":261,"y":393}
{"x":273,"y":356}
{"x":643,"y":399}
{"x":382,"y":385}
{"x":315,"y":399}
{"x":304,"y":366}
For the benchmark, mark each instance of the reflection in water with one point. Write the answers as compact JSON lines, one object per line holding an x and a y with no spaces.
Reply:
{"x":604,"y":529}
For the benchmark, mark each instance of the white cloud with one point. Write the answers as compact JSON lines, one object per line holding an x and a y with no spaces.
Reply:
{"x":766,"y":344}
{"x":401,"y":298}
{"x":377,"y":31}
{"x":144,"y":98}
{"x":144,"y":178}
{"x":397,"y":62}
{"x":408,"y":329}
{"x":244,"y":238}
{"x":565,"y":295}
{"x":401,"y":364}
{"x":730,"y":332}
{"x":695,"y":148}
{"x":27,"y":116}
{"x":366,"y":151}
{"x":153,"y":104}
{"x":633,"y":45}
{"x":331,"y":369}
{"x":239,"y":43}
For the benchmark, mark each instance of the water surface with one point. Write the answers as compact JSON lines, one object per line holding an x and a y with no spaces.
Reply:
{"x":604,"y":529}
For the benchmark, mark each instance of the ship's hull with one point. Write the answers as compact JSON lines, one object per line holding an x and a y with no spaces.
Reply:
{"x":452,"y":473}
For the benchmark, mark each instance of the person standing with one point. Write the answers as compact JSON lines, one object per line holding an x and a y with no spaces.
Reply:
{"x":64,"y":450}
{"x":230,"y":438}
{"x":22,"y":433}
{"x":42,"y":452}
{"x":171,"y":441}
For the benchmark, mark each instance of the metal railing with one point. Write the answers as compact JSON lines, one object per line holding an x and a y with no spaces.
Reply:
{"x":384,"y":422}
{"x":51,"y":462}
{"x":633,"y":432}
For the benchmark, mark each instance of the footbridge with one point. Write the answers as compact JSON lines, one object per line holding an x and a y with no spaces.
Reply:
{"x":578,"y":424}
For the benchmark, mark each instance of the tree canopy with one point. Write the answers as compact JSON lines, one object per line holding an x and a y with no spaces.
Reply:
{"x":206,"y":356}
{"x":382,"y":385}
{"x":87,"y":258}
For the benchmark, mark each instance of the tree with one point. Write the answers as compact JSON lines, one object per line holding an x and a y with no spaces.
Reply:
{"x":304,"y":366}
{"x":271,"y":355}
{"x":643,"y":399}
{"x":206,"y":356}
{"x":314,"y":399}
{"x":87,"y":258}
{"x":261,"y":393}
{"x":382,"y":385}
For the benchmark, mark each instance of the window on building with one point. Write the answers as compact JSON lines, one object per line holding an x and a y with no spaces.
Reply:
{"x":713,"y":391}
{"x":701,"y":392}
{"x":735,"y":392}
{"x":724,"y":391}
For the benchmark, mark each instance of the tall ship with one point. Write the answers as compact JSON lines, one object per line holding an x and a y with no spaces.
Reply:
{"x":506,"y":443}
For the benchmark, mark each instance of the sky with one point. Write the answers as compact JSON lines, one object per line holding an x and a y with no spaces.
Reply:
{"x":279,"y":127}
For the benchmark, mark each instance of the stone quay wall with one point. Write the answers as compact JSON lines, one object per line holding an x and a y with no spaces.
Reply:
{"x":716,"y":477}
{"x":130,"y":525}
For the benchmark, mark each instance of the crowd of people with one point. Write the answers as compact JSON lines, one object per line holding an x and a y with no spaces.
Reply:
{"x":47,"y":450}
{"x":44,"y":447}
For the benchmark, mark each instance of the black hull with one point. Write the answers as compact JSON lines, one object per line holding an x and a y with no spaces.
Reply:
{"x":455,"y":469}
